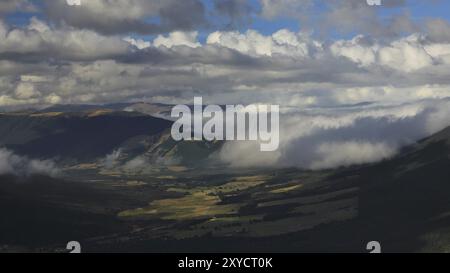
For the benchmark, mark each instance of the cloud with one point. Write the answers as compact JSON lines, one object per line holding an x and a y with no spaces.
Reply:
{"x":149,"y":16}
{"x":344,"y":154}
{"x":341,"y":15}
{"x":111,"y":160}
{"x":11,"y":163}
{"x":139,"y":43}
{"x":177,"y":38}
{"x":128,"y":16}
{"x":157,"y":17}
{"x":292,"y":69}
{"x":321,"y":139}
{"x":406,"y":54}
{"x":39,"y":41}
{"x":282,"y":42}
{"x":26,"y":91}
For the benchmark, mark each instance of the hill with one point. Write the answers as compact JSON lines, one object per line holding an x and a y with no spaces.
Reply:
{"x":79,"y":136}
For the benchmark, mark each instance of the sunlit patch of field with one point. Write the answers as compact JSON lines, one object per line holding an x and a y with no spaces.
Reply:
{"x":136,"y":183}
{"x":257,"y":226}
{"x":168,"y":177}
{"x":236,"y":185}
{"x":48,"y":114}
{"x":196,"y":205}
{"x":113,"y":173}
{"x":99,"y":113}
{"x":177,"y":168}
{"x":217,"y":215}
{"x":286,"y":189}
{"x":200,"y":202}
{"x":131,"y":183}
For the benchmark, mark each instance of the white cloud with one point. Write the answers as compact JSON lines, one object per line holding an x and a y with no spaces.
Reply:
{"x":110,"y":161}
{"x":26,"y":90}
{"x":344,"y":154}
{"x":329,"y":138}
{"x":291,"y":69}
{"x":177,"y":38}
{"x":407,"y":54}
{"x":11,"y":163}
{"x":244,"y":154}
{"x":283,"y":42}
{"x":139,"y":43}
{"x":136,"y":164}
{"x":40,"y":40}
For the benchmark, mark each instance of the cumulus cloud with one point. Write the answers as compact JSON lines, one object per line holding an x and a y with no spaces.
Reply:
{"x":139,"y":43}
{"x":284,"y":67}
{"x":407,"y":54}
{"x":11,"y":163}
{"x":282,"y":42}
{"x":177,"y":38}
{"x":39,"y":41}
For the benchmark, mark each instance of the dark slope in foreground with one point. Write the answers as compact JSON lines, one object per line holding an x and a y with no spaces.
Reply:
{"x":404,"y":203}
{"x":40,"y":211}
{"x":408,"y":198}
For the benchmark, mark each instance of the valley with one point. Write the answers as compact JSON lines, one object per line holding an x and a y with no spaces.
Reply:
{"x":107,"y":206}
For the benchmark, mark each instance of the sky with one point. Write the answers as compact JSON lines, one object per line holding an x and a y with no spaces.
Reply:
{"x":353,"y":81}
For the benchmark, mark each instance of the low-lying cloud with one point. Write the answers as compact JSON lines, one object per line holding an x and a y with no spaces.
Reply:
{"x":11,"y":163}
{"x":342,"y":137}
